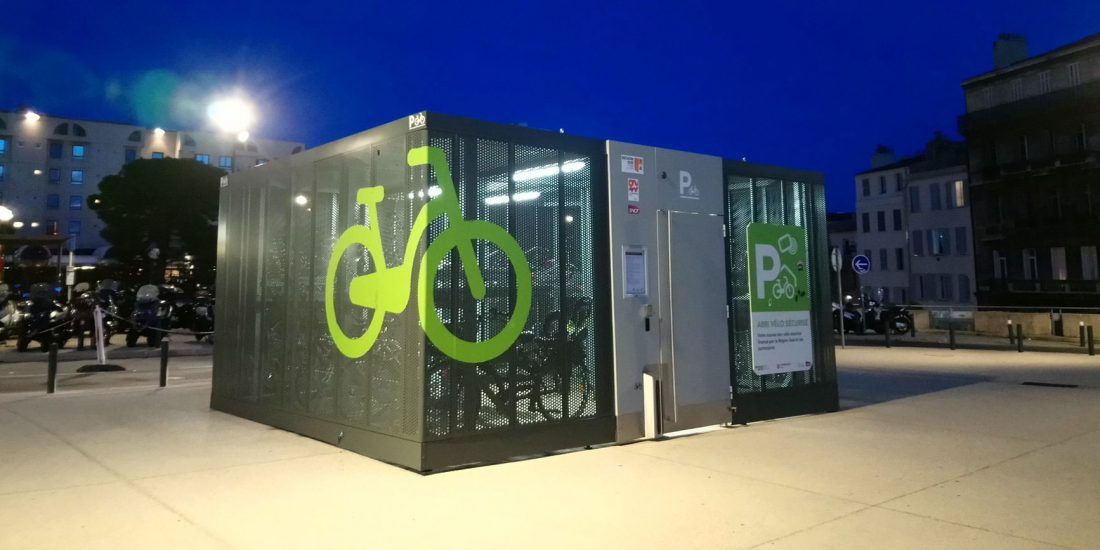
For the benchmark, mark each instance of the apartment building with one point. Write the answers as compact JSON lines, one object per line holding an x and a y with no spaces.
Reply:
{"x":1033,"y":132}
{"x":50,"y":165}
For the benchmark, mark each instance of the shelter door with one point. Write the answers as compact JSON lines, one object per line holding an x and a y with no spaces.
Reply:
{"x":695,"y":368}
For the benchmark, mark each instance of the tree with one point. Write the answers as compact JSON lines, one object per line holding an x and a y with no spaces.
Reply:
{"x":167,"y":204}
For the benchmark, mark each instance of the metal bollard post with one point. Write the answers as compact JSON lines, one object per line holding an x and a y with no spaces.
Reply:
{"x":1081,"y":333}
{"x":951,"y":333}
{"x":163,"y":363}
{"x":886,"y":330}
{"x":1020,"y":338}
{"x":912,"y":326}
{"x":1088,"y":335}
{"x":1010,"y":339}
{"x":51,"y":370}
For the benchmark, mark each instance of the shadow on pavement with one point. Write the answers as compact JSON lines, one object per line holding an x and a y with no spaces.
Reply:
{"x":862,"y":386}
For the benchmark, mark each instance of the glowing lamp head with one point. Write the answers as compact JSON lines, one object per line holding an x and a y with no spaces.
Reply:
{"x":31,"y":116}
{"x":301,"y":200}
{"x":231,"y":115}
{"x":159,"y":132}
{"x":17,"y":225}
{"x":6,"y":214}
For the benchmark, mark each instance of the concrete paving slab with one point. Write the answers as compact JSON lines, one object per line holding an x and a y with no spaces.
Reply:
{"x":598,"y":498}
{"x":1051,"y":494}
{"x":108,"y":516}
{"x":845,"y":455}
{"x":876,"y":528}
{"x":32,"y":459}
{"x":155,"y":432}
{"x":1033,"y":413}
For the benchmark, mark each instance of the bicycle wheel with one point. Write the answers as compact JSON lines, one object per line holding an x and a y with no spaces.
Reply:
{"x":564,"y":389}
{"x":441,"y":336}
{"x":358,"y":346}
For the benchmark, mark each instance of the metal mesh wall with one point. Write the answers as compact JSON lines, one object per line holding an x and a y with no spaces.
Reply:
{"x":777,"y":201}
{"x":543,"y":197}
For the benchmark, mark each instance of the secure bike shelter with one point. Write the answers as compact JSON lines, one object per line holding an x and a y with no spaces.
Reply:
{"x":438,"y":291}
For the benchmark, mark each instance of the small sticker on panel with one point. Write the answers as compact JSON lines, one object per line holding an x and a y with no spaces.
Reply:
{"x":632,"y":209}
{"x":632,"y":190}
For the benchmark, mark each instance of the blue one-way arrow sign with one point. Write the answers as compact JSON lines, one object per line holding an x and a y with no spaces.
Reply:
{"x":861,"y":264}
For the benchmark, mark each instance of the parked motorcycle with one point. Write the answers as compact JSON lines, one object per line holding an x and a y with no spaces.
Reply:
{"x":46,"y":321}
{"x":11,"y":315}
{"x":202,"y":314}
{"x":852,"y":318}
{"x":151,"y":316}
{"x":881,"y":318}
{"x":107,"y":298}
{"x":83,"y":307}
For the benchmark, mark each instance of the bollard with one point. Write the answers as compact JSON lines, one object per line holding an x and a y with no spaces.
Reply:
{"x":1010,"y":340}
{"x":1020,"y":338}
{"x":912,"y":326}
{"x":886,"y":330}
{"x":1081,"y":333}
{"x":951,"y":333}
{"x":1088,"y":335}
{"x":51,"y":370}
{"x":163,"y":363}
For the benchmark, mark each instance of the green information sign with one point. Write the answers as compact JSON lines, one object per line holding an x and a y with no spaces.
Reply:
{"x":779,"y":298}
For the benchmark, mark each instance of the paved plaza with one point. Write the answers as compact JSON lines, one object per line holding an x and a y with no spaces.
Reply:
{"x":933,"y":449}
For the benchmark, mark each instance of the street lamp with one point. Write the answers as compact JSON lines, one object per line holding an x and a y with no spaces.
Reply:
{"x":17,"y":225}
{"x":31,"y":116}
{"x":233,"y":115}
{"x":6,"y":214}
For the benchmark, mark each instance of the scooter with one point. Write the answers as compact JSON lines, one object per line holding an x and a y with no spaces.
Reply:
{"x":202,"y":314}
{"x":11,"y":316}
{"x":150,"y":317}
{"x":46,"y":321}
{"x":881,"y":318}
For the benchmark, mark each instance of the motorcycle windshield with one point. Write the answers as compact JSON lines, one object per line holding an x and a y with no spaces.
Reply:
{"x":148,"y":293}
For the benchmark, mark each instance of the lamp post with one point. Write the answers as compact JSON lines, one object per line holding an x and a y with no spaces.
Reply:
{"x":6,"y":215}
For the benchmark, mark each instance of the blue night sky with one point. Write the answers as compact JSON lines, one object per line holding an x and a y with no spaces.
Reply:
{"x":806,"y":84}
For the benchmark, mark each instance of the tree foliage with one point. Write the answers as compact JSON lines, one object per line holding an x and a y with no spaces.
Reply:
{"x":168,"y":204}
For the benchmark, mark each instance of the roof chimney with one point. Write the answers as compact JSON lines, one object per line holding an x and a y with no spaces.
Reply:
{"x":1008,"y":49}
{"x":883,"y":156}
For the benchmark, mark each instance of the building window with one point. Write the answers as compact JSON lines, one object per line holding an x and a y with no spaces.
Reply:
{"x":987,"y":97}
{"x":1031,"y":265}
{"x":902,"y":296}
{"x":1,"y":172}
{"x":77,"y":177}
{"x":261,"y":162}
{"x":55,"y":149}
{"x":868,"y":254}
{"x":1058,"y":269}
{"x":1017,"y":89}
{"x":881,"y":185}
{"x":53,"y":201}
{"x":51,"y":227}
{"x":158,"y":155}
{"x":897,"y":219}
{"x":225,"y":163}
{"x":866,"y":187}
{"x":914,"y":199}
{"x":899,"y":258}
{"x":881,"y":219}
{"x":940,"y":244}
{"x":866,"y":218}
{"x":884,"y":259}
{"x":946,"y":288}
{"x":962,"y":247}
{"x":916,"y":242}
{"x":1090,"y":267}
{"x":959,"y":188}
{"x":1000,"y":266}
{"x":934,"y":197}
{"x":205,"y":159}
{"x":55,"y":175}
{"x":76,"y":202}
{"x":1044,"y":82}
{"x":1074,"y":73}
{"x":131,"y":155}
{"x":898,"y":183}
{"x":3,"y":146}
{"x":78,"y":152}
{"x":964,"y":289}
{"x":74,"y":228}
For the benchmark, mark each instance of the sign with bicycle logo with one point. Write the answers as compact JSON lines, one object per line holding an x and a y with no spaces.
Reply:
{"x":779,"y":299}
{"x":387,"y":289}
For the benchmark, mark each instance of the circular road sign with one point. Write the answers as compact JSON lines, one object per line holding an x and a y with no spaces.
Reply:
{"x":861,"y":264}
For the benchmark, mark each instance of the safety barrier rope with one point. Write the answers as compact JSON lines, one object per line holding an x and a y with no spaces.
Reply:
{"x":166,"y":331}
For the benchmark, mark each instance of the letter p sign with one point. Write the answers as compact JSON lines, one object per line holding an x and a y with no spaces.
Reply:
{"x":766,"y":254}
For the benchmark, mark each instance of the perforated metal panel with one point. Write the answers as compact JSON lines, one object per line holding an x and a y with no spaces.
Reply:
{"x":773,"y":195}
{"x":277,"y":361}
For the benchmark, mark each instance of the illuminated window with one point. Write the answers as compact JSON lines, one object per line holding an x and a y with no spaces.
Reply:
{"x":158,"y":155}
{"x":78,"y":152}
{"x":205,"y":159}
{"x":76,"y":202}
{"x":1,"y":172}
{"x":77,"y":177}
{"x":225,"y":163}
{"x":3,"y":146}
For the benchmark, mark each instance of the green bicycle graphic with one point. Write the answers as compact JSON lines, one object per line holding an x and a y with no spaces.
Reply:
{"x":387,"y":289}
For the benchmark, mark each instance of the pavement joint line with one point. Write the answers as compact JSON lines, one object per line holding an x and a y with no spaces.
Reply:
{"x":977,"y":527}
{"x":124,"y":480}
{"x":62,"y":488}
{"x":335,"y":451}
